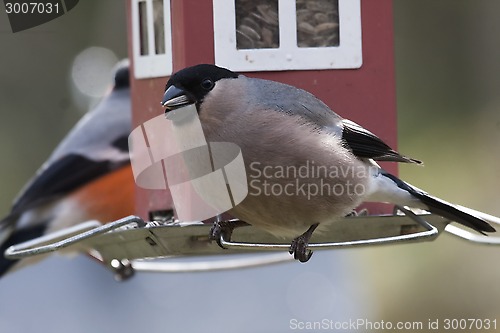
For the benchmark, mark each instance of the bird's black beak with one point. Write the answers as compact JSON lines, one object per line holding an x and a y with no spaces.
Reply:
{"x":175,"y":98}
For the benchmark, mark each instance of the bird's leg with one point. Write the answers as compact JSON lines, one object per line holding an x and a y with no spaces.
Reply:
{"x":299,"y":245}
{"x":224,"y":229}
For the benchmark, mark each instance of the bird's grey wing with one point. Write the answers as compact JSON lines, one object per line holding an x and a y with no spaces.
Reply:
{"x":365,"y":144}
{"x":294,"y":102}
{"x":94,"y":147}
{"x":297,"y":102}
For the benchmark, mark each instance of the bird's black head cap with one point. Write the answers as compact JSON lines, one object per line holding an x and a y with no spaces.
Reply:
{"x":195,"y":83}
{"x":122,"y":74}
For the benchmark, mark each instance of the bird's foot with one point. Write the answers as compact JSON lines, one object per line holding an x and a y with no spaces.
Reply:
{"x":299,"y":245}
{"x":224,"y":229}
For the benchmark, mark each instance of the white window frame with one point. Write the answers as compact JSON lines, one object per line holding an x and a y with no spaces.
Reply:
{"x":151,"y":65}
{"x":288,"y":56}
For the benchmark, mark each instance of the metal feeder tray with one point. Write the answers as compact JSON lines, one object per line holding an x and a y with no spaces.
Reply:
{"x":131,"y":244}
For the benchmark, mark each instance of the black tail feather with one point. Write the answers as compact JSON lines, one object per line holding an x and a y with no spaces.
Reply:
{"x":443,"y":208}
{"x":450,"y":211}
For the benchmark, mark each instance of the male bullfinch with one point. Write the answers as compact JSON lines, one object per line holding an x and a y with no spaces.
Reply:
{"x":306,"y":166}
{"x":87,"y":177}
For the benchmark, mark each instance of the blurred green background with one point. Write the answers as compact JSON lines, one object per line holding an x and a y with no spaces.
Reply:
{"x":448,"y":88}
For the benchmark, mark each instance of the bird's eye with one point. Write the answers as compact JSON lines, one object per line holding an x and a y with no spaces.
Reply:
{"x":207,"y":84}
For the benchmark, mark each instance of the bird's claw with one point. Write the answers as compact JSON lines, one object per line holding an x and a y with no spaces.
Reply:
{"x":220,"y":229}
{"x":299,"y":245}
{"x":299,"y":250}
{"x":224,"y":230}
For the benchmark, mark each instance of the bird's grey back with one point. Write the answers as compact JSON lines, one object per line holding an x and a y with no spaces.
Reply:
{"x":111,"y":120}
{"x":292,"y":101}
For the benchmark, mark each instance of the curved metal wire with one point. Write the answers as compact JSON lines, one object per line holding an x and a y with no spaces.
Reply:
{"x":72,"y":235}
{"x":430,"y":233}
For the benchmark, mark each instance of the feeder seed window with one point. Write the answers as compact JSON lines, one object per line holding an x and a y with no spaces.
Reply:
{"x":317,"y":23}
{"x":151,"y":38}
{"x":256,"y":35}
{"x":257,"y":24}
